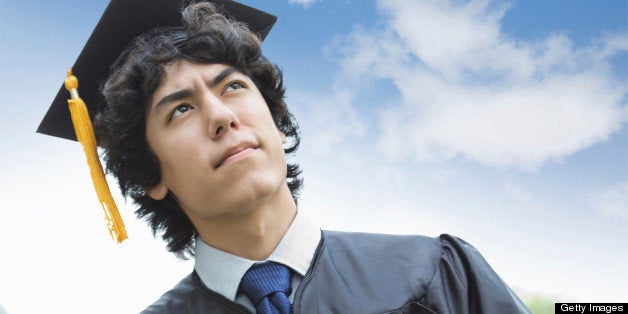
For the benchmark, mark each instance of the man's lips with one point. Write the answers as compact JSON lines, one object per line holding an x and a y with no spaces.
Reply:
{"x":235,"y":153}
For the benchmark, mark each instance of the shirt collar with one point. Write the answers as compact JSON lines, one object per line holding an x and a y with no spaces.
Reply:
{"x":222,"y":272}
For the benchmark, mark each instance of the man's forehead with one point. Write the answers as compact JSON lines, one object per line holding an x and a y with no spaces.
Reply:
{"x":178,"y":75}
{"x":181,"y":66}
{"x":184,"y":77}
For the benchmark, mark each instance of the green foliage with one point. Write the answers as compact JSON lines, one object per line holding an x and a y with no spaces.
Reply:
{"x":540,"y":304}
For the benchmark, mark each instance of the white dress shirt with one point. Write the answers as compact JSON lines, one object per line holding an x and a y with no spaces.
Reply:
{"x":222,"y":272}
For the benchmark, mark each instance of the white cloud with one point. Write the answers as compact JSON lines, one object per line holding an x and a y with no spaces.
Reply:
{"x":517,"y":192}
{"x":326,"y":120}
{"x":468,"y":90}
{"x":305,"y":3}
{"x":612,"y":202}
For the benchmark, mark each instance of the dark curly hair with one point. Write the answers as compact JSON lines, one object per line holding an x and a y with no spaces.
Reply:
{"x":207,"y":36}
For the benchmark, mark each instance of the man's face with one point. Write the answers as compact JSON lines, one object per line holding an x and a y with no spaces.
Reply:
{"x":218,"y":147}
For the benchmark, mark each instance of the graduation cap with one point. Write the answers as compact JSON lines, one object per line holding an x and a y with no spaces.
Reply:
{"x":122,"y":21}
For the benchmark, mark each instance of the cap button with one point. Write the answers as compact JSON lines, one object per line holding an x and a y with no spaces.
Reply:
{"x":71,"y":82}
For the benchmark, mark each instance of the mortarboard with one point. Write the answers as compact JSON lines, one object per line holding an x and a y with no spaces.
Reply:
{"x":122,"y":21}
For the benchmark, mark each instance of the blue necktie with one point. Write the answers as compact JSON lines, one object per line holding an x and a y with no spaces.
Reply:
{"x":268,"y":286}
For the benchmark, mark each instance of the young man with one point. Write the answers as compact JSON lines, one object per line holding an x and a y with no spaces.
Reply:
{"x":196,"y":131}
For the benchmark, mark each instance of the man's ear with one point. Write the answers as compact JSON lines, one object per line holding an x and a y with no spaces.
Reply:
{"x":157,"y":192}
{"x":283,"y":136}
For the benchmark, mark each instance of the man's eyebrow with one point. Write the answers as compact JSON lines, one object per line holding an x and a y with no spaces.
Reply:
{"x":173,"y":97}
{"x":187,"y":92}
{"x":221,"y":76}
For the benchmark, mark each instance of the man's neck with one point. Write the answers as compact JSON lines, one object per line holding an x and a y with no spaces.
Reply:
{"x":256,"y":234}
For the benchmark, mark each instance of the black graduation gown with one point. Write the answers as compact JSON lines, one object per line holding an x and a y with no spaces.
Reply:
{"x":375,"y":273}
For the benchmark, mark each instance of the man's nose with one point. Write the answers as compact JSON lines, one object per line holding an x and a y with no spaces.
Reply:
{"x":221,"y":118}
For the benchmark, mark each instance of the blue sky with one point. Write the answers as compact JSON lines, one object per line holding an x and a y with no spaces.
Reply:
{"x":503,"y":123}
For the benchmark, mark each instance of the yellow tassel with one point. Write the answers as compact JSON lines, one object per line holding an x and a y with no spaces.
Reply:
{"x":85,"y":135}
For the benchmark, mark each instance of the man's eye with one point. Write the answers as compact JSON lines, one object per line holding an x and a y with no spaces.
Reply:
{"x":234,"y":85}
{"x":179,"y":110}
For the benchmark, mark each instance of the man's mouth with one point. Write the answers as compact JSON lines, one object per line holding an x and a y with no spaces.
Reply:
{"x":236,"y":153}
